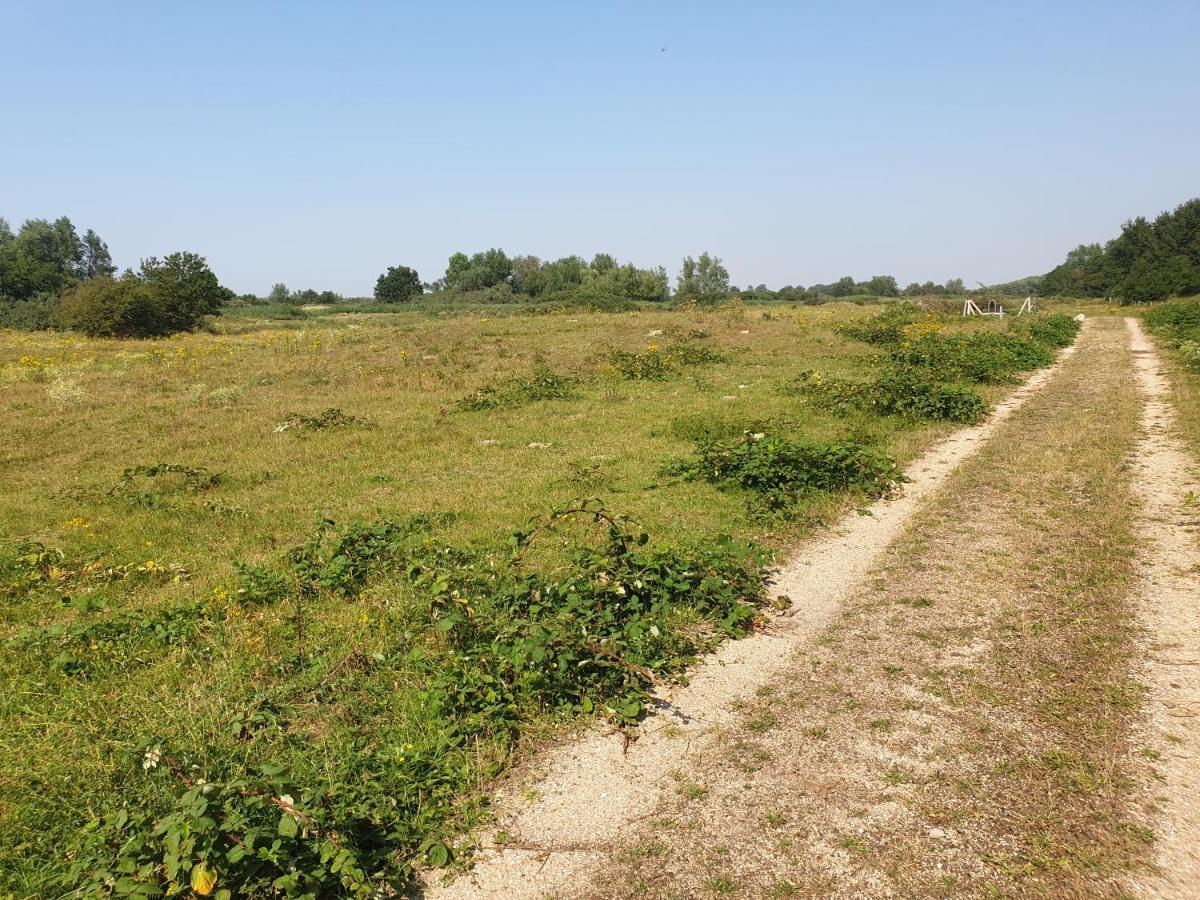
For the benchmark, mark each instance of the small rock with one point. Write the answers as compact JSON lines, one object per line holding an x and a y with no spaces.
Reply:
{"x":537,"y":445}
{"x":488,"y":442}
{"x":655,"y":333}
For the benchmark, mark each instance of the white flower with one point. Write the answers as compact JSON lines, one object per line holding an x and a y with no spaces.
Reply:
{"x":151,"y":759}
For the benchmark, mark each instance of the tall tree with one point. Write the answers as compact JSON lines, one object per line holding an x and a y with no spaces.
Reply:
{"x":704,"y":279}
{"x":97,"y":261}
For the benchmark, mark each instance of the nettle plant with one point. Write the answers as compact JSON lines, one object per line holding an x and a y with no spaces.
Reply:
{"x":495,"y":639}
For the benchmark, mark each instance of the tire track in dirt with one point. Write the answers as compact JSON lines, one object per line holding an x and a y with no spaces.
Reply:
{"x":561,"y":814}
{"x":1168,"y":565}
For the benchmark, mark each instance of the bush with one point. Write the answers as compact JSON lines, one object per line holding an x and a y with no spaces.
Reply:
{"x":885,"y":328}
{"x":1054,"y":330}
{"x":107,"y":307}
{"x":166,"y":296}
{"x":897,"y":392}
{"x":1177,"y":325}
{"x":34,"y":314}
{"x":780,"y":471}
{"x":982,"y":357}
{"x":542,"y":384}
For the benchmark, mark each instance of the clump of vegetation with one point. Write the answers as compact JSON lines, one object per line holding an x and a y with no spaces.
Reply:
{"x":779,"y":471}
{"x":1055,"y":330}
{"x":163,"y":297}
{"x":333,"y":417}
{"x":886,"y":328}
{"x":541,"y":384}
{"x":121,"y":640}
{"x":708,"y":427}
{"x":1177,"y":325}
{"x":983,"y":357}
{"x":494,"y":644}
{"x":896,"y":392}
{"x":657,"y":363}
{"x":134,"y":486}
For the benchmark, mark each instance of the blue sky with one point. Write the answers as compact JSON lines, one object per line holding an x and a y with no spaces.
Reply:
{"x":318,"y":143}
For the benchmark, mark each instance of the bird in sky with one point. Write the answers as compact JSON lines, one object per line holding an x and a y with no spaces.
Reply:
{"x":663,"y":50}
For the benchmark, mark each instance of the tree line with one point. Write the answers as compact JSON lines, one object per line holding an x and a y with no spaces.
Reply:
{"x":1148,"y":260}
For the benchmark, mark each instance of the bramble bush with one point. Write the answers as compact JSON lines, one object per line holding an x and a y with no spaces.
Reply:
{"x":492,"y":643}
{"x":896,"y":392}
{"x":982,"y":357}
{"x":521,"y":390}
{"x":778,"y":471}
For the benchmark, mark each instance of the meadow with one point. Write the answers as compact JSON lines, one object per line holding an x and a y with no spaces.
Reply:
{"x":280,"y":598}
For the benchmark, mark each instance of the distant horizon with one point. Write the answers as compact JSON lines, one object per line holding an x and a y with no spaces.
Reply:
{"x":318,"y":147}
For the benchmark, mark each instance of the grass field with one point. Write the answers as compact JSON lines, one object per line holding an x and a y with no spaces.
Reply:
{"x":160,"y":637}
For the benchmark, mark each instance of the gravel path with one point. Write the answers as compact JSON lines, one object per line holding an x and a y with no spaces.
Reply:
{"x":563,"y":813}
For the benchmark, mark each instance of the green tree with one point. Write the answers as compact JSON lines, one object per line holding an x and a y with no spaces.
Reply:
{"x":477,"y":272}
{"x":705,"y":279}
{"x":279,"y":293}
{"x":844,"y":286}
{"x":398,"y":284}
{"x":882,"y":286}
{"x":184,"y":288}
{"x":97,"y":261}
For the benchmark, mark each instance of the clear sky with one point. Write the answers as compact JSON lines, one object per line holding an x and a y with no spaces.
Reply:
{"x":318,"y":143}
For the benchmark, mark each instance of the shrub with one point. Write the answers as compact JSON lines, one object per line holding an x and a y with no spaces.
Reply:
{"x":898,"y":392}
{"x":885,"y":328}
{"x":166,"y":296}
{"x":107,"y":307}
{"x":1177,"y":325}
{"x":780,"y":471}
{"x":981,"y":357}
{"x":1054,"y":330}
{"x":33,"y":314}
{"x":542,"y":384}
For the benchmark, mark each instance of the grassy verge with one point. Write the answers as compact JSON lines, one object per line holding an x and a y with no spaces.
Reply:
{"x":264,"y":625}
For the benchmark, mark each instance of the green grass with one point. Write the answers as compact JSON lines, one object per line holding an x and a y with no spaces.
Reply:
{"x":149,"y":602}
